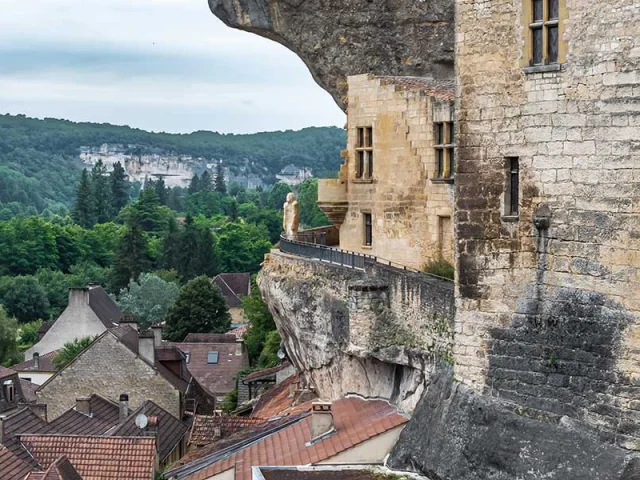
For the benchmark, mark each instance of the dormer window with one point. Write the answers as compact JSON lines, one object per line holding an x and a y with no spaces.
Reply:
{"x":9,"y":391}
{"x":187,"y":357}
{"x":212,"y":358}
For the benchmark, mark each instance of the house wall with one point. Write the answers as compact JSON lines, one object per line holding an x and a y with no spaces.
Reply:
{"x":406,"y":206}
{"x":550,"y":319}
{"x":108,"y":368}
{"x":372,"y":451}
{"x":237,"y":314}
{"x":76,"y":321}
{"x":36,"y":377}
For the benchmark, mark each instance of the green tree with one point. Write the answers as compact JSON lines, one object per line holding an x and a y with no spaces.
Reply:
{"x":310,"y":214}
{"x":206,"y":182}
{"x":233,"y":210}
{"x":199,"y":308}
{"x":29,"y":334}
{"x":69,"y":351}
{"x":241,"y":247}
{"x":194,"y":185}
{"x":221,"y":186}
{"x":197,"y":251}
{"x":24,"y":298}
{"x":172,"y":247}
{"x":161,"y":190}
{"x":56,"y":286}
{"x":119,"y":188}
{"x":261,"y":321}
{"x":148,"y":214}
{"x":82,"y":211}
{"x":148,"y":299}
{"x":101,"y":193}
{"x":278,"y":195}
{"x":132,"y":258}
{"x":269,"y":355}
{"x":9,"y":353}
{"x":174,"y":199}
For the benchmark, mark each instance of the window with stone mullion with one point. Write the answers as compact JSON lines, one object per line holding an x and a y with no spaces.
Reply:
{"x":544,"y":30}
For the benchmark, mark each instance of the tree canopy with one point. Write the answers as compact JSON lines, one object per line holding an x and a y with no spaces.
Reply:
{"x":148,"y":299}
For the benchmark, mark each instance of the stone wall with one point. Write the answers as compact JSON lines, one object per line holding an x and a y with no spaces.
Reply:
{"x":549,"y":318}
{"x":108,"y":368}
{"x":408,"y":209}
{"x":378,"y":333}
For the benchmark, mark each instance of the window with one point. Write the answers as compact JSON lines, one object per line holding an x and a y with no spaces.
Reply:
{"x":544,"y":31}
{"x":9,"y":391}
{"x":364,"y":153}
{"x":512,"y":195}
{"x":368,"y":230}
{"x":187,"y":356}
{"x":212,"y":357}
{"x":444,"y":141}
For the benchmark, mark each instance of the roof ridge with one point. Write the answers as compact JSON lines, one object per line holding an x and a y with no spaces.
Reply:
{"x":230,"y":289}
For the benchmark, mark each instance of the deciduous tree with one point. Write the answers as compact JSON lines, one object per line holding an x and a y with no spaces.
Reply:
{"x":70,"y":351}
{"x":148,"y":299}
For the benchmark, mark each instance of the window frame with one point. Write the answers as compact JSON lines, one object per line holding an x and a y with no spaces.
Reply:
{"x":364,"y":153}
{"x":217,"y":357}
{"x":367,"y":232}
{"x":512,"y":188}
{"x":444,"y":146}
{"x":544,"y":25}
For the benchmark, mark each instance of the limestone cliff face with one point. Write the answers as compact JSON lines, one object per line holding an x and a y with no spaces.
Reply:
{"x":346,"y":37}
{"x":379,"y":332}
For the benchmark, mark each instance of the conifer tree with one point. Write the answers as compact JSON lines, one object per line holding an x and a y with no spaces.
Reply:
{"x":161,"y":190}
{"x":119,"y":188}
{"x":221,"y":186}
{"x":132,"y":257}
{"x":199,"y":308}
{"x":206,"y":182}
{"x":194,"y":186}
{"x":101,"y":193}
{"x":233,"y":210}
{"x":171,"y":251}
{"x":174,"y":199}
{"x":149,"y":215}
{"x":82,"y":211}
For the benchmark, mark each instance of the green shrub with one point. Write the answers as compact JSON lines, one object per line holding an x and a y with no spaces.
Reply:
{"x":440,"y":268}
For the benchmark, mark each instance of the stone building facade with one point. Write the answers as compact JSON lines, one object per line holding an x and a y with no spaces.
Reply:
{"x":394,"y":195}
{"x":548,"y":208}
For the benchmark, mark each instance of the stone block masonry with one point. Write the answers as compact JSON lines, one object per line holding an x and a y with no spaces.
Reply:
{"x":549,"y":319}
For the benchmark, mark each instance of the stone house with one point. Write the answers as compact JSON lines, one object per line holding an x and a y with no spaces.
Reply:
{"x":121,"y":360}
{"x":233,"y":286}
{"x":89,"y":313}
{"x":37,"y":370}
{"x":393,"y":197}
{"x":548,"y":207}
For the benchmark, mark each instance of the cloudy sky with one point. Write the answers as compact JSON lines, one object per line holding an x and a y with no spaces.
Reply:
{"x":161,"y":65}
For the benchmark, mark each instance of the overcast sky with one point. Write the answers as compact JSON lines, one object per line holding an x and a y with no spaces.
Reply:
{"x":161,"y":65}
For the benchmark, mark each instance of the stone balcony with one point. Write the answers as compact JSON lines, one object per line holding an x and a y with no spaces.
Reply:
{"x":332,"y":199}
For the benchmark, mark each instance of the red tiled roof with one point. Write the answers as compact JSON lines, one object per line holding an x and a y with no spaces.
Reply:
{"x":104,"y":415}
{"x":445,"y":89}
{"x":265,"y":372}
{"x":240,"y":331}
{"x":7,"y":372}
{"x":61,"y":469}
{"x":203,"y":431}
{"x":11,"y":466}
{"x":336,"y":473}
{"x":210,"y":338}
{"x":356,"y":420}
{"x":217,"y":378}
{"x":170,"y":429}
{"x":97,"y":458}
{"x":45,"y":364}
{"x":278,"y":401}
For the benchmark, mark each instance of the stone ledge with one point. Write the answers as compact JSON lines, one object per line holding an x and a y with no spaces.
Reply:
{"x":555,"y":67}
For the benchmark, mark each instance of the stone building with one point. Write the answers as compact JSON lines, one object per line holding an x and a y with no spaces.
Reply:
{"x":394,"y":194}
{"x":548,"y":207}
{"x":233,"y":287}
{"x":89,"y":313}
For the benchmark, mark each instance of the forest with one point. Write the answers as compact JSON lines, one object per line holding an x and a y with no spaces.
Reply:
{"x":150,"y":251}
{"x":40,"y":165}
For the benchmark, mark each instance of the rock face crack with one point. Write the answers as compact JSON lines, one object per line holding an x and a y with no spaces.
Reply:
{"x":338,"y":38}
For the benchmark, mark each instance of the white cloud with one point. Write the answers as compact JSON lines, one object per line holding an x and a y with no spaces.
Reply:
{"x":156,"y":64}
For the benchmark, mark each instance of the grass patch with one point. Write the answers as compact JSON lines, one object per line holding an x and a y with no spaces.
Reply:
{"x":440,"y":268}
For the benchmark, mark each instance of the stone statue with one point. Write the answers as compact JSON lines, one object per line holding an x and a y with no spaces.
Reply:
{"x":291,"y":217}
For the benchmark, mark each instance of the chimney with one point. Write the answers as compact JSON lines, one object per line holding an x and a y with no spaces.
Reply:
{"x":128,"y":319}
{"x":36,"y":361}
{"x":321,"y":419}
{"x":78,"y":297}
{"x":146,"y":346}
{"x":152,"y":426}
{"x":83,"y":405}
{"x":156,"y":328}
{"x":124,"y":406}
{"x":239,"y":347}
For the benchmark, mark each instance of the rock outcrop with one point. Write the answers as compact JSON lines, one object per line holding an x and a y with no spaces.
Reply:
{"x":347,"y":37}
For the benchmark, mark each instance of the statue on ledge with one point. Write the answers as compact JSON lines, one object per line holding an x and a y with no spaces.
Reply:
{"x":291,"y":217}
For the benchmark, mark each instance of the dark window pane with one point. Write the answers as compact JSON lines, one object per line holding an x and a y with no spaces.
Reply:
{"x":553,"y":44}
{"x":452,"y":139}
{"x":360,"y":166}
{"x":368,"y":233}
{"x":439,"y":133}
{"x":212,"y":357}
{"x":553,"y":9}
{"x":537,"y":46}
{"x":515,"y":186}
{"x":360,"y":137}
{"x":369,"y":137}
{"x":452,"y":163}
{"x":538,"y":9}
{"x":440,"y":154}
{"x":370,"y":164}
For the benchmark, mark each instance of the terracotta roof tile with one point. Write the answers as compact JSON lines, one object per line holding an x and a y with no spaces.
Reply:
{"x":104,"y":415}
{"x":349,"y":416}
{"x":11,"y":466}
{"x":204,"y":427}
{"x":61,"y":469}
{"x":97,"y":458}
{"x":217,"y":378}
{"x":45,"y":364}
{"x":277,"y":401}
{"x":239,"y":331}
{"x":266,"y":372}
{"x":170,"y":433}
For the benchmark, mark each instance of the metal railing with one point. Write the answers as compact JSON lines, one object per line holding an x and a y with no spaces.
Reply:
{"x":317,"y":238}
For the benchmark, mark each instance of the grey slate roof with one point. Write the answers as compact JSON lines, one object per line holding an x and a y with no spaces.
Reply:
{"x":105,"y":308}
{"x":104,"y":415}
{"x":232,"y":286}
